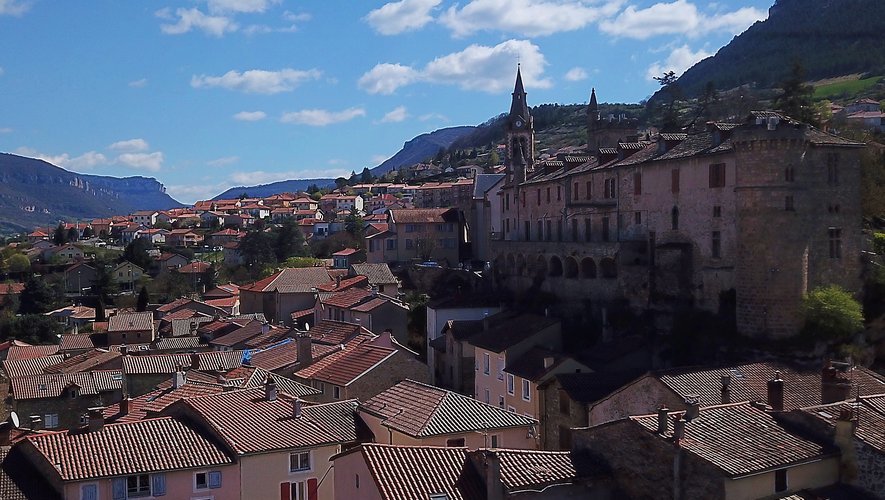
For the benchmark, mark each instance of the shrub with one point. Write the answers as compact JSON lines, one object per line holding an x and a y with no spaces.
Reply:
{"x":831,"y":314}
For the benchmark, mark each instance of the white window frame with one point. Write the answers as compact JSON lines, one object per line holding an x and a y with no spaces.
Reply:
{"x":303,"y":454}
{"x":50,"y":420}
{"x":511,"y":386}
{"x":494,"y":441}
{"x":149,"y":488}
{"x":298,"y":490}
{"x":197,"y":486}
{"x":526,"y":390}
{"x":486,"y":363}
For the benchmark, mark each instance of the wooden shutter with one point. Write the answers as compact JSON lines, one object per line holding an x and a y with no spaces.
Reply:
{"x":89,"y":492}
{"x":158,"y":484}
{"x":119,"y":488}
{"x":312,"y":488}
{"x":285,"y":491}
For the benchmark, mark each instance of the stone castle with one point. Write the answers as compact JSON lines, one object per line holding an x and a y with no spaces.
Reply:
{"x":768,"y":208}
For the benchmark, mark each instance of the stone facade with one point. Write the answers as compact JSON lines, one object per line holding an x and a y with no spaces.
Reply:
{"x":559,"y":415}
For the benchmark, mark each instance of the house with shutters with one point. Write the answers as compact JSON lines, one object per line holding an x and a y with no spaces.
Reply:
{"x":165,"y":458}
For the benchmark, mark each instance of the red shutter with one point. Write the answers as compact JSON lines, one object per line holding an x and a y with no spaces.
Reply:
{"x":285,"y":491}
{"x":312,"y":488}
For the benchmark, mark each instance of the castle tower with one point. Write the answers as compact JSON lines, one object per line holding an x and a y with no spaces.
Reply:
{"x":606,"y":132}
{"x":520,"y":133}
{"x":592,"y":123}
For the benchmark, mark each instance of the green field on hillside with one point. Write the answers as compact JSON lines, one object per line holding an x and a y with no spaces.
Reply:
{"x":845,"y":88}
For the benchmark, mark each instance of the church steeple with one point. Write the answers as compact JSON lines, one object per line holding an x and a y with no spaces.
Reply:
{"x":518,"y":107}
{"x":520,"y":135}
{"x":593,"y":107}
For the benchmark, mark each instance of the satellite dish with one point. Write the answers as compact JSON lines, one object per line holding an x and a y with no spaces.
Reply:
{"x":13,"y":419}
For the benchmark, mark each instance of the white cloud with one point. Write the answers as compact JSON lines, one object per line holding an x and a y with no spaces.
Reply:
{"x":292,"y":17}
{"x":677,"y":17}
{"x":680,"y":59}
{"x":130,"y":146}
{"x":189,"y":193}
{"x":250,"y":6}
{"x":321,"y":117}
{"x":398,"y":114}
{"x":189,"y":19}
{"x":257,"y":81}
{"x":379,"y":159}
{"x":250,"y":116}
{"x":137,"y":84}
{"x":526,"y":17}
{"x":397,"y":17}
{"x":85,"y":161}
{"x":5,"y":130}
{"x":434,"y":116}
{"x":478,"y":67}
{"x":221,"y":162}
{"x":1,"y":67}
{"x":576,"y":74}
{"x":14,"y":7}
{"x":151,"y":162}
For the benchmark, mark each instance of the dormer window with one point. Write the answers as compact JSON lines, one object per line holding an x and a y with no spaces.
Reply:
{"x":74,"y":392}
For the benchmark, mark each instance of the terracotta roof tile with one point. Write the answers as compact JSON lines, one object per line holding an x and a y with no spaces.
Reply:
{"x":423,"y":215}
{"x":72,"y":342}
{"x":291,"y":280}
{"x":344,"y":284}
{"x":352,"y":363}
{"x":244,"y":333}
{"x":521,"y":469}
{"x":285,"y":353}
{"x":177,"y":343}
{"x":89,"y":360}
{"x":129,"y":322}
{"x":18,"y":352}
{"x":346,"y":298}
{"x":335,"y":332}
{"x":35,"y":366}
{"x":169,"y":363}
{"x":52,"y":385}
{"x":153,"y":445}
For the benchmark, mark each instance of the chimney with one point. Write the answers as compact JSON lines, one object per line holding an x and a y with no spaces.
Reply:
{"x":494,"y":485}
{"x":195,"y":361}
{"x":178,"y":378}
{"x":124,"y":349}
{"x":265,"y":327}
{"x":678,"y":430}
{"x":270,"y":389}
{"x":296,"y":407}
{"x":305,"y":354}
{"x":692,"y":407}
{"x":548,"y":362}
{"x":834,"y":385}
{"x":726,"y":389}
{"x":663,"y":413}
{"x":220,"y":378}
{"x":776,"y":392}
{"x":337,"y":281}
{"x":844,"y":439}
{"x":96,"y":418}
{"x":124,"y":405}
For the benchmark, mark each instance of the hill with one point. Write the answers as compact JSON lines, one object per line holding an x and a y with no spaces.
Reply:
{"x":36,"y":193}
{"x":421,"y":148}
{"x":830,"y":38}
{"x":263,"y":190}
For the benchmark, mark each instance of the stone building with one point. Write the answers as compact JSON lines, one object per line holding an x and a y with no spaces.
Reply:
{"x":769,"y":208}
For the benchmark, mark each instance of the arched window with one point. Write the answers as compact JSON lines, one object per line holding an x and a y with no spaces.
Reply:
{"x":588,"y":268}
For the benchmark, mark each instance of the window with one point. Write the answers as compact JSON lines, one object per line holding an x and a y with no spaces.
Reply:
{"x":510,"y":384}
{"x":50,"y":420}
{"x":589,"y":187}
{"x":674,"y":218}
{"x":539,"y":196}
{"x":548,"y":195}
{"x":507,"y":201}
{"x":336,"y":392}
{"x":89,"y":492}
{"x":391,"y":245}
{"x":528,"y":232}
{"x":564,"y":403}
{"x":833,"y":169}
{"x":716,"y":245}
{"x":486,"y":362}
{"x":780,"y":480}
{"x":574,"y":229}
{"x":487,"y":397}
{"x":637,"y":183}
{"x":522,"y":195}
{"x":201,"y":480}
{"x":526,"y":390}
{"x":439,"y":496}
{"x":549,"y":232}
{"x":558,"y":193}
{"x":637,"y":218}
{"x":717,"y":175}
{"x":717,"y":211}
{"x":540,"y":231}
{"x":788,"y":204}
{"x":501,"y":402}
{"x":835,"y":234}
{"x":298,"y":490}
{"x":588,"y":233}
{"x":495,"y":439}
{"x":605,"y":229}
{"x":299,"y":461}
{"x":789,"y":174}
{"x":320,"y":386}
{"x":409,"y":244}
{"x":609,"y":189}
{"x":559,"y":230}
{"x":455,"y":442}
{"x":357,"y":481}
{"x":575,"y":193}
{"x":138,"y":486}
{"x":84,"y":418}
{"x":674,"y":180}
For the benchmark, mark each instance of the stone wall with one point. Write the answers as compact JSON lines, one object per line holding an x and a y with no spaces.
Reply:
{"x":554,"y":422}
{"x":870,"y":469}
{"x":399,"y":367}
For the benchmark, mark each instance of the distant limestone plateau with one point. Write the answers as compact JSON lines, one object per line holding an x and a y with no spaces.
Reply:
{"x":36,"y":193}
{"x":420,"y":148}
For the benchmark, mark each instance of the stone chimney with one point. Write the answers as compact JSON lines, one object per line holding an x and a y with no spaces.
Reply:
{"x":834,"y":385}
{"x":124,"y":405}
{"x":844,"y":439}
{"x":776,"y":392}
{"x":270,"y":389}
{"x":179,"y":378}
{"x":265,"y":327}
{"x":548,"y":362}
{"x":195,"y":361}
{"x":96,"y":418}
{"x":678,"y":430}
{"x":124,"y":349}
{"x":305,"y":354}
{"x":663,"y":413}
{"x":296,"y":407}
{"x":692,"y":407}
{"x":337,"y":281}
{"x":726,"y":389}
{"x":494,"y":485}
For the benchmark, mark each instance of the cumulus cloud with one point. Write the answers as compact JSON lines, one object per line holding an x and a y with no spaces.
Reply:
{"x":576,"y":74}
{"x":130,"y":146}
{"x":186,"y":20}
{"x":434,"y":116}
{"x":680,"y":59}
{"x":137,"y":84}
{"x":677,"y":17}
{"x":5,"y":130}
{"x":249,"y":6}
{"x":221,"y":162}
{"x":250,"y":116}
{"x":397,"y":114}
{"x":14,"y":7}
{"x":151,"y":162}
{"x":526,"y":17}
{"x":257,"y":81}
{"x":397,"y":17}
{"x":478,"y":67}
{"x":85,"y":161}
{"x":321,"y":117}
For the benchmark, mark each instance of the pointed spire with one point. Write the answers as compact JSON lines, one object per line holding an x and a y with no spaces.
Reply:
{"x":593,"y":107}
{"x":518,"y":107}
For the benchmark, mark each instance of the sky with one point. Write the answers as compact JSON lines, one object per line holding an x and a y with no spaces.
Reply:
{"x":204,"y":95}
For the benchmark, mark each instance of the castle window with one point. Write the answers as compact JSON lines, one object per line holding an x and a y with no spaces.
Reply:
{"x":605,"y":228}
{"x":637,"y":183}
{"x":575,"y":194}
{"x":574,"y":229}
{"x":587,"y":229}
{"x":507,"y":201}
{"x":559,"y":230}
{"x":589,"y":190}
{"x":788,"y":204}
{"x":674,"y":180}
{"x":716,"y":245}
{"x":674,"y":218}
{"x":637,"y":218}
{"x":789,"y":174}
{"x":548,"y":195}
{"x":717,"y":211}
{"x":549,"y":231}
{"x":717,"y":175}
{"x":835,"y":235}
{"x":833,"y":169}
{"x":610,"y":188}
{"x":540,"y":231}
{"x":528,"y":232}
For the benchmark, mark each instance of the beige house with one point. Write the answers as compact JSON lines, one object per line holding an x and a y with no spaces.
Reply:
{"x":131,"y":328}
{"x":426,"y":234}
{"x":281,"y":294}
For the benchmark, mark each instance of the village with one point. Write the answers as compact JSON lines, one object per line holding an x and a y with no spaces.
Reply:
{"x":479,"y":332}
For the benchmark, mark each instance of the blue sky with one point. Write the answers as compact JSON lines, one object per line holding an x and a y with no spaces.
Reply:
{"x":209,"y":94}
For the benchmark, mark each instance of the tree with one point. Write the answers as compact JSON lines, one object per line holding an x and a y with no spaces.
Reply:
{"x":289,"y":240}
{"x":38,"y":297}
{"x":668,"y":106}
{"x":104,"y":285}
{"x":354,"y":224}
{"x":73,"y":234}
{"x":31,"y":328}
{"x":366,"y":176}
{"x":257,"y":249}
{"x":88,"y":232}
{"x":19,"y":265}
{"x":340,"y":183}
{"x":831,"y":314}
{"x":796,"y":101}
{"x":494,"y":159}
{"x":60,"y":236}
{"x":136,"y":252}
{"x":143,"y":299}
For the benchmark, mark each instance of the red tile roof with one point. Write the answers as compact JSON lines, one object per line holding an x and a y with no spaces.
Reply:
{"x":285,"y":353}
{"x":422,"y":410}
{"x":344,"y":284}
{"x":522,"y":469}
{"x":17,"y":352}
{"x":35,"y":366}
{"x":11,"y":288}
{"x":196,"y":267}
{"x":336,"y":332}
{"x":292,"y":280}
{"x":73,"y":342}
{"x":170,"y":363}
{"x":346,"y":298}
{"x":241,"y":335}
{"x":420,"y":215}
{"x":350,"y":364}
{"x":87,"y":361}
{"x":154,"y":445}
{"x":52,"y":385}
{"x":130,"y":322}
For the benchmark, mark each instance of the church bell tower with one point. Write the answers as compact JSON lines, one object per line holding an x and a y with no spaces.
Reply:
{"x":520,"y":135}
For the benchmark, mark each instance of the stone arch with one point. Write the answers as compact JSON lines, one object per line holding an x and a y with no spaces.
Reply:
{"x":571,"y":267}
{"x":588,"y":268}
{"x":555,"y":266}
{"x":520,"y":265}
{"x":511,"y":264}
{"x":539,"y":267}
{"x":608,"y":268}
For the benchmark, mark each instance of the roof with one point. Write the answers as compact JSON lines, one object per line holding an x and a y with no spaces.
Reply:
{"x":422,"y":215}
{"x":291,"y":280}
{"x":177,"y":343}
{"x":53,"y":385}
{"x":531,"y":468}
{"x":131,"y":322}
{"x":145,"y":446}
{"x":378,"y":274}
{"x":346,"y":298}
{"x":11,"y":288}
{"x":739,"y":439}
{"x":589,"y":387}
{"x":244,"y":333}
{"x":511,"y":331}
{"x":249,"y":423}
{"x":483,"y":183}
{"x":419,"y":471}
{"x":72,"y":342}
{"x":870,"y":414}
{"x":344,"y":284}
{"x":17,"y":352}
{"x":284,"y":353}
{"x":35,"y":366}
{"x":170,"y":363}
{"x":346,"y":252}
{"x":89,"y":360}
{"x":422,"y":410}
{"x":195,"y":267}
{"x":331,"y":332}
{"x":531,"y":365}
{"x":350,"y":364}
